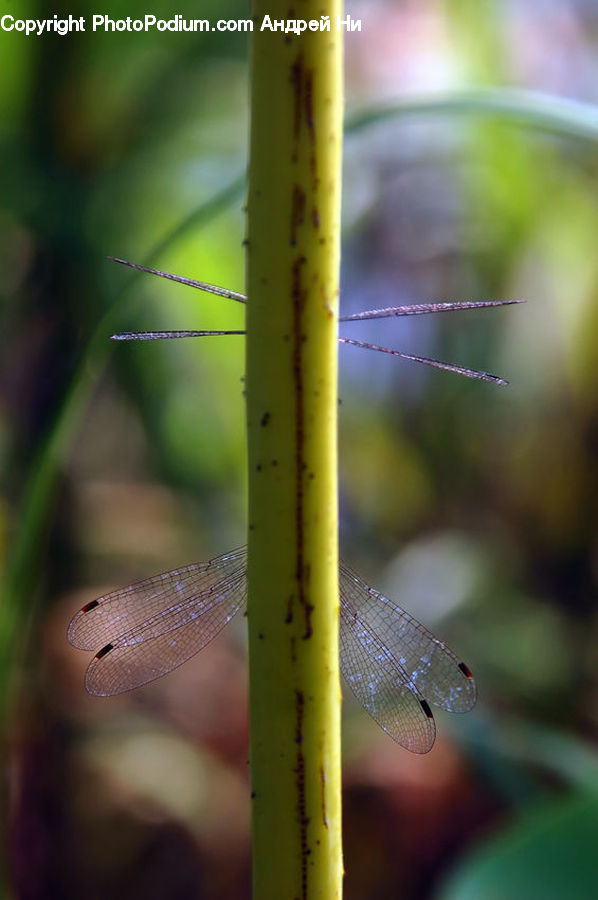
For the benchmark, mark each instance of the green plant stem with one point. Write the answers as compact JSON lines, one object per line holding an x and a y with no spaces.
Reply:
{"x":292,"y":312}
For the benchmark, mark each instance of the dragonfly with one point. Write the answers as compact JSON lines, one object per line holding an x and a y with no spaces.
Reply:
{"x":394,"y":666}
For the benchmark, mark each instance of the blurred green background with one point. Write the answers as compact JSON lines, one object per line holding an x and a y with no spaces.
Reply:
{"x":473,"y":505}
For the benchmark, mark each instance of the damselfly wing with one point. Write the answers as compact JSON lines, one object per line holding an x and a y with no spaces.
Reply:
{"x":392,"y":663}
{"x":388,"y":312}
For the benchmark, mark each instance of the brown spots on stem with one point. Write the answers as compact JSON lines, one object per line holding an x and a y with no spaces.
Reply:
{"x":297,"y":212}
{"x":298,"y":297}
{"x":299,"y":710}
{"x":308,"y":607}
{"x":303,"y":92}
{"x":302,"y":816}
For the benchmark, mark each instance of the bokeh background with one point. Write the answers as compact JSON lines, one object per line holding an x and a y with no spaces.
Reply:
{"x":470,"y":173}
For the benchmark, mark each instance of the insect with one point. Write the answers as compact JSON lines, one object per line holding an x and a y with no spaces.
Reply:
{"x":416,"y":309}
{"x":395,"y":667}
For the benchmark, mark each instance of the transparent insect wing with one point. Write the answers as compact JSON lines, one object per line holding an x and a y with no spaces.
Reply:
{"x":380,"y":685}
{"x":431,"y":667}
{"x":147,"y":629}
{"x":393,"y":664}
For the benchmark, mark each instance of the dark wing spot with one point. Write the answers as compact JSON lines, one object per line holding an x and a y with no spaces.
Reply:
{"x":426,"y":709}
{"x":104,"y":651}
{"x":465,"y":670}
{"x":91,"y":605}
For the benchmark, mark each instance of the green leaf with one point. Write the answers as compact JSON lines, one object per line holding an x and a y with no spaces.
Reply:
{"x":529,"y":108}
{"x":548,"y":854}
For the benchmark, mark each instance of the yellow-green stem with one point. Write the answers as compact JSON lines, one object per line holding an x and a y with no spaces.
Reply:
{"x":292,"y":313}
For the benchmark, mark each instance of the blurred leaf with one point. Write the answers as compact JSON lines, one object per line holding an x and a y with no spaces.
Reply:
{"x":548,"y":854}
{"x":529,"y":108}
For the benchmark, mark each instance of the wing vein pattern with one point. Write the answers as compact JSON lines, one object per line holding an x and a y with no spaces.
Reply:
{"x":392,"y":663}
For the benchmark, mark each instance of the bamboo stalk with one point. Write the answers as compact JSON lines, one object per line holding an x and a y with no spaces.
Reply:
{"x":292,"y":314}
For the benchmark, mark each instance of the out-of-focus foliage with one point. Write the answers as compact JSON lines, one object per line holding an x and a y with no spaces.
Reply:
{"x":473,"y":505}
{"x":549,"y":853}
